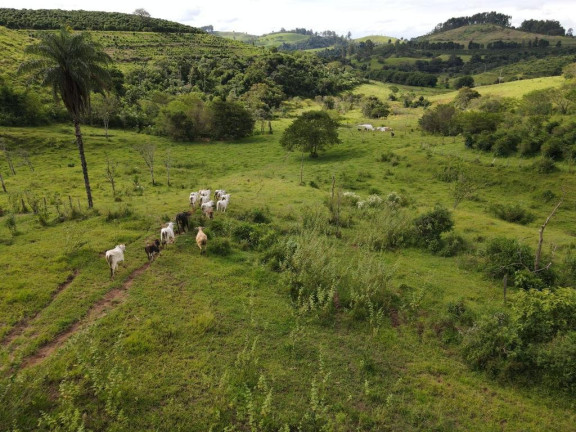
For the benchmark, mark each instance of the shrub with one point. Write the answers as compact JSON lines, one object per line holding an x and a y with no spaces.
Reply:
{"x":430,"y":226}
{"x":390,"y":230}
{"x":506,"y":256}
{"x":492,"y":344}
{"x":452,"y":245}
{"x":512,"y":213}
{"x":556,"y":359}
{"x":448,"y":174}
{"x":350,"y":199}
{"x":220,"y":246}
{"x":545,"y":166}
{"x":536,"y":339}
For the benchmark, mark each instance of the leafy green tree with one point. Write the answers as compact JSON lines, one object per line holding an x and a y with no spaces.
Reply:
{"x":312,"y":132}
{"x":464,"y":96}
{"x":439,"y":120}
{"x":229,"y":120}
{"x":375,"y":108}
{"x":465,"y":81}
{"x":184,"y":118}
{"x":73,"y":66}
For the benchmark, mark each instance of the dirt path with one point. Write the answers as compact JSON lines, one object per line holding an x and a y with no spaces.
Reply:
{"x":110,"y":300}
{"x":19,"y":328}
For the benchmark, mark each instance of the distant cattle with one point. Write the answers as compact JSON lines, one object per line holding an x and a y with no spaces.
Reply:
{"x":384,"y":129}
{"x":365,"y":127}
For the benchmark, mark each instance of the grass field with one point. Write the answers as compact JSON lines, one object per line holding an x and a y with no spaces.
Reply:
{"x":218,"y":341}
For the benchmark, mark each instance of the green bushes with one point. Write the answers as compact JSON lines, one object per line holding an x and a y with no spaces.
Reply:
{"x":505,"y":256}
{"x":535,"y":340}
{"x":512,"y":213}
{"x":430,"y":226}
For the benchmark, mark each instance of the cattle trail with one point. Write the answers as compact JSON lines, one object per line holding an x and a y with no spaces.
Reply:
{"x":21,"y":327}
{"x":97,"y":311}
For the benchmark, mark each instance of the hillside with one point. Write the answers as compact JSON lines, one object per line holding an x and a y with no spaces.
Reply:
{"x":222,"y":340}
{"x":52,"y":19}
{"x":487,"y":33}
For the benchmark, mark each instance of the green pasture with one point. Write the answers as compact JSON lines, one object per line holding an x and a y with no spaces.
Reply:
{"x":513,"y":89}
{"x":216,"y":341}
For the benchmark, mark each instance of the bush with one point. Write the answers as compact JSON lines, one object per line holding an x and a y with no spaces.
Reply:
{"x":452,"y":245}
{"x":247,"y":234}
{"x":506,"y":256}
{"x":556,"y":359}
{"x":512,"y":213}
{"x":535,"y":340}
{"x":430,"y":226}
{"x":545,"y":166}
{"x":220,"y":246}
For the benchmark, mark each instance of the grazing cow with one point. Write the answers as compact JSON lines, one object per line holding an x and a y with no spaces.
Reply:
{"x":384,"y":129}
{"x":113,"y":257}
{"x":218,"y":194}
{"x":194,"y":198}
{"x":222,"y":204}
{"x":182,"y":221}
{"x":167,"y":234}
{"x":152,"y":249}
{"x":201,"y":239}
{"x":208,"y":212}
{"x":365,"y":127}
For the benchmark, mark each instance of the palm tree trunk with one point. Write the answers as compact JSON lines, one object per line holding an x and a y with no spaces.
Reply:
{"x":80,"y":144}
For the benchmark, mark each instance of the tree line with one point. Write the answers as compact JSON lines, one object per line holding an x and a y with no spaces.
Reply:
{"x":53,"y":19}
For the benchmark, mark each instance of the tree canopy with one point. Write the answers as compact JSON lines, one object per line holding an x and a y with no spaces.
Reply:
{"x":312,"y":132}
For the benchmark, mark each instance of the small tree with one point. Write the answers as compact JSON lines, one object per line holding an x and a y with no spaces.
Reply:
{"x":141,"y":12}
{"x":312,"y":132}
{"x":111,"y":174}
{"x":104,"y":107}
{"x":147,"y":151}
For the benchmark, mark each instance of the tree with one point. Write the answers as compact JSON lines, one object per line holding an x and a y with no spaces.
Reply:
{"x":105,"y":107}
{"x":147,"y":150}
{"x":464,"y":81}
{"x":312,"y":132}
{"x":73,"y":66}
{"x":375,"y":108}
{"x":142,"y":13}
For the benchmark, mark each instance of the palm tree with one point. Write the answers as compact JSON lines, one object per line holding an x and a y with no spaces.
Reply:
{"x":73,"y":66}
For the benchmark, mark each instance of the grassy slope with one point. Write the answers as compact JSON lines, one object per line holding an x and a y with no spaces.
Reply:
{"x":183,"y":338}
{"x":11,"y":44}
{"x":485,"y":33}
{"x":514,"y":89}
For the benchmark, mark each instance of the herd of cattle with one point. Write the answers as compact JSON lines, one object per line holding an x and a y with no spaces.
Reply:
{"x":202,"y":199}
{"x":369,"y":127}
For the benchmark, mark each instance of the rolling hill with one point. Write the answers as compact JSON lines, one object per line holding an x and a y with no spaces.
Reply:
{"x":487,"y":33}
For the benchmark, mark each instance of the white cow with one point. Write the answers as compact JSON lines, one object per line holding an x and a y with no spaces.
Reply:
{"x":113,"y":257}
{"x":366,"y":127}
{"x":222,"y":204}
{"x":194,"y":198}
{"x":167,"y":234}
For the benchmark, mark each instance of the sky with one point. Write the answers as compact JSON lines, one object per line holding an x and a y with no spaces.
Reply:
{"x":396,"y":18}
